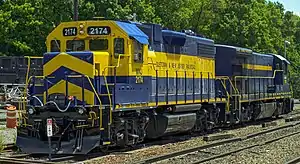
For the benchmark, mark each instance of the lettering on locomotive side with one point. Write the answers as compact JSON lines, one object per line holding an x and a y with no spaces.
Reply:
{"x":161,"y":64}
{"x":175,"y":65}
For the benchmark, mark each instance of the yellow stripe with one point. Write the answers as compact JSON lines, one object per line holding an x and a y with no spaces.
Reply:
{"x":70,"y":62}
{"x":73,"y":90}
{"x":257,"y":67}
{"x":169,"y":103}
{"x":187,"y":102}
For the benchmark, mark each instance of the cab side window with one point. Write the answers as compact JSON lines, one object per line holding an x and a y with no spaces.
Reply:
{"x":137,"y":51}
{"x":55,"y":45}
{"x":118,"y":46}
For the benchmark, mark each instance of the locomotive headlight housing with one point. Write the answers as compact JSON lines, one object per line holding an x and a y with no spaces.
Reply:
{"x":31,"y":111}
{"x":81,"y":111}
{"x":81,"y":27}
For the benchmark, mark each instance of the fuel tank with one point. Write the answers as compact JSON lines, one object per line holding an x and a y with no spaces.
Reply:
{"x":164,"y":124}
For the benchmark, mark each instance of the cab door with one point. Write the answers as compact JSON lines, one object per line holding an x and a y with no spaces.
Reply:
{"x":120,"y":59}
{"x":140,"y":72}
{"x":137,"y":61}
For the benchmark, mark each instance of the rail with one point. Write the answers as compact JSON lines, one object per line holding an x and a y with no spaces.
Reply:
{"x":294,"y":161}
{"x":221,"y":143}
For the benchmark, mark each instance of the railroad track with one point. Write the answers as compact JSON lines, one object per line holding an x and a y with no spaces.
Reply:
{"x":10,"y":160}
{"x":294,"y":161}
{"x":244,"y":148}
{"x":21,"y":158}
{"x":210,"y":155}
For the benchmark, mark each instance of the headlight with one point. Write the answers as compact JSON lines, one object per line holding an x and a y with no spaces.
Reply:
{"x":31,"y":111}
{"x":81,"y":110}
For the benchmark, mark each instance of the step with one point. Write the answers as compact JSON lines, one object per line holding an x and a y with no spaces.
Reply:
{"x":105,"y":94}
{"x":109,"y":84}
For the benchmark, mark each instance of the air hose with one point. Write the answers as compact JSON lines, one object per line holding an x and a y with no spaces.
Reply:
{"x":52,"y":102}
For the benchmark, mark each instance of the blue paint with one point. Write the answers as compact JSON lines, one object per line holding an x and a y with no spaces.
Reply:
{"x":62,"y":72}
{"x":86,"y":56}
{"x":133,"y":31}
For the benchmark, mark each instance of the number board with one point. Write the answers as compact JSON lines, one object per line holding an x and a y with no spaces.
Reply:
{"x":70,"y":31}
{"x":98,"y":30}
{"x":49,"y":127}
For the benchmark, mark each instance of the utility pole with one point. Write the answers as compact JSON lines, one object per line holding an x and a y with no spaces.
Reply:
{"x":75,"y":3}
{"x":285,"y":45}
{"x":214,"y":9}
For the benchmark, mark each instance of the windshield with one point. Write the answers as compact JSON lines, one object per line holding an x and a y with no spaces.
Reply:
{"x":98,"y":44}
{"x":75,"y":45}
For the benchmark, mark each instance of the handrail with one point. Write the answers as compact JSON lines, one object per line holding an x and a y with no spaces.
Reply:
{"x":23,"y":101}
{"x":105,"y":80}
{"x":27,"y":74}
{"x":228,"y":95}
{"x":26,"y":87}
{"x":237,"y":93}
{"x":29,"y":64}
{"x":77,"y":76}
{"x":94,"y":90}
{"x":106,"y":85}
{"x":257,"y":77}
{"x":227,"y":78}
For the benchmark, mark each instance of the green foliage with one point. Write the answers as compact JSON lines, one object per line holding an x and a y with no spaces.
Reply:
{"x":257,"y":24}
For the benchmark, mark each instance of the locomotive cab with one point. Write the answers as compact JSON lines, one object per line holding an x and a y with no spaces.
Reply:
{"x":110,"y":48}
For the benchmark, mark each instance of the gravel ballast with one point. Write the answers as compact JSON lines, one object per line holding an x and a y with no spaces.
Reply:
{"x":230,"y":146}
{"x":136,"y":155}
{"x":278,"y":152}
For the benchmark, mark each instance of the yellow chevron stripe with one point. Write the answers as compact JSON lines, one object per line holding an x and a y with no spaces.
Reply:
{"x":257,"y":67}
{"x":70,"y":62}
{"x":73,"y":90}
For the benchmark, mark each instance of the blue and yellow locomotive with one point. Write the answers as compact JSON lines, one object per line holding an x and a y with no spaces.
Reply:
{"x":115,"y":83}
